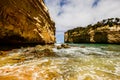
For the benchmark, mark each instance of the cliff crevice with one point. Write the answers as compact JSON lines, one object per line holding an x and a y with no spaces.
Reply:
{"x":25,"y":21}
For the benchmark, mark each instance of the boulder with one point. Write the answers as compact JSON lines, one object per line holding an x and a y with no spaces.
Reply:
{"x":59,"y":47}
{"x":63,"y":46}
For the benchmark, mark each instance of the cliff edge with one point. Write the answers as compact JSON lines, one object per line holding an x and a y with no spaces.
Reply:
{"x":106,"y":31}
{"x":25,"y":21}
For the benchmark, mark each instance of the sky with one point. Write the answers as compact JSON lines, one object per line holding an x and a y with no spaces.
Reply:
{"x":68,"y":14}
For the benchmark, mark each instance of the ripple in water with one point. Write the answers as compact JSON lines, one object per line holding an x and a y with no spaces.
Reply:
{"x":75,"y":63}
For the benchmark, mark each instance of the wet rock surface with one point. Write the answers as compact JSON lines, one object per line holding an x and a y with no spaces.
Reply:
{"x":39,"y":51}
{"x":14,"y":56}
{"x":63,"y":46}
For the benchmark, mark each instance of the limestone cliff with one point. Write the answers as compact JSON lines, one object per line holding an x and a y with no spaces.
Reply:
{"x":25,"y":21}
{"x":106,"y":31}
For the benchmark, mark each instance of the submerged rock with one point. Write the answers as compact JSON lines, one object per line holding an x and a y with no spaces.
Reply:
{"x":59,"y":47}
{"x":63,"y":46}
{"x":38,"y":52}
{"x":2,"y":53}
{"x":16,"y":56}
{"x":25,"y":21}
{"x":106,"y":31}
{"x":82,"y":46}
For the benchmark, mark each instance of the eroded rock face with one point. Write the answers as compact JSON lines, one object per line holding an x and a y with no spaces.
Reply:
{"x":25,"y":21}
{"x":106,"y":31}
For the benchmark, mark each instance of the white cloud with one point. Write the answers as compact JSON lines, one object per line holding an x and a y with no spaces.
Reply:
{"x":73,"y":13}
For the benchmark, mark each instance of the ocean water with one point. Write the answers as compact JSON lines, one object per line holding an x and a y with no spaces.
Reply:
{"x":79,"y":62}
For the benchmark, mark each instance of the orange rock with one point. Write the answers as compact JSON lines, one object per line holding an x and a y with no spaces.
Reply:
{"x":25,"y":21}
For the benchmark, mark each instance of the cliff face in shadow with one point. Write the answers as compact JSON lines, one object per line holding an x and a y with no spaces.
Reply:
{"x":25,"y":21}
{"x":106,"y":31}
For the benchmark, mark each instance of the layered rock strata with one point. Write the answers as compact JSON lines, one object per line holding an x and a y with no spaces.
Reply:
{"x":106,"y":31}
{"x":25,"y":21}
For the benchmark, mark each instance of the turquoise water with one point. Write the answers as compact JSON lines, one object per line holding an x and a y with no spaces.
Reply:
{"x":96,"y":49}
{"x":92,"y":61}
{"x":108,"y":47}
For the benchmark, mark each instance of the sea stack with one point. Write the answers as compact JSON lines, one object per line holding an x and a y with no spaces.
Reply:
{"x":25,"y":21}
{"x":105,"y":31}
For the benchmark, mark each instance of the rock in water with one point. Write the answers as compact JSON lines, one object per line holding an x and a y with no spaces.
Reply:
{"x":106,"y":31}
{"x":25,"y":21}
{"x":63,"y":46}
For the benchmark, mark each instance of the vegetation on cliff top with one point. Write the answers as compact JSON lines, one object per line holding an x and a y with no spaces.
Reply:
{"x":109,"y":21}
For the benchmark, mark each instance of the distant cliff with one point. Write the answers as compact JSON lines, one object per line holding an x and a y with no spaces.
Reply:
{"x":106,"y":31}
{"x":25,"y":21}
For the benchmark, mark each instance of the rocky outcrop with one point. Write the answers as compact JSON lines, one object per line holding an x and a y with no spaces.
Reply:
{"x":106,"y":31}
{"x":25,"y":21}
{"x":65,"y":46}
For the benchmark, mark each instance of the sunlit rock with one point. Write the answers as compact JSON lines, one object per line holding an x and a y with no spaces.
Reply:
{"x":25,"y":21}
{"x":106,"y":31}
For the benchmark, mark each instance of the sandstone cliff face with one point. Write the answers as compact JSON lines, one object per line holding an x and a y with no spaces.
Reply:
{"x":25,"y":21}
{"x":106,"y":31}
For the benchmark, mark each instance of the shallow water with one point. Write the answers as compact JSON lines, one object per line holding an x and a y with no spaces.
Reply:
{"x":80,"y":62}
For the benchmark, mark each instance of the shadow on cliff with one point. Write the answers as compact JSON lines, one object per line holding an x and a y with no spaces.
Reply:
{"x":10,"y":46}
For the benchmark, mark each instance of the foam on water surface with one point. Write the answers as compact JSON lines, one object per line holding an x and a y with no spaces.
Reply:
{"x":75,"y":63}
